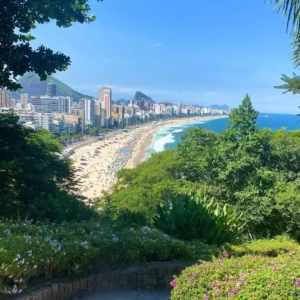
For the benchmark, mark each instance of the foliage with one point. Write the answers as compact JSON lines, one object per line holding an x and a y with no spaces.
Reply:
{"x":292,"y":84}
{"x":34,"y":181}
{"x":248,"y":277}
{"x":254,"y":171}
{"x":18,"y":19}
{"x":142,"y":189}
{"x":198,"y":217}
{"x":243,"y":119}
{"x":273,"y":247}
{"x":290,"y":9}
{"x":49,"y":250}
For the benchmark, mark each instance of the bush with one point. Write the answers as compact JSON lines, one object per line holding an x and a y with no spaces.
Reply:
{"x":248,"y":277}
{"x":35,"y":250}
{"x":197,"y":217}
{"x":273,"y":247}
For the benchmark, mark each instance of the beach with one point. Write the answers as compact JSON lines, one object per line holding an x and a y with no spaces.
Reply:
{"x":97,"y":162}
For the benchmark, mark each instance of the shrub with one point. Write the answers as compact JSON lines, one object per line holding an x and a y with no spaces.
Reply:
{"x":49,"y":250}
{"x":273,"y":247}
{"x":248,"y":277}
{"x":197,"y":217}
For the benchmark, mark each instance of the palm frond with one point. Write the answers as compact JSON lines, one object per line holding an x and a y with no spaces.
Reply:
{"x":291,"y":84}
{"x":291,"y":10}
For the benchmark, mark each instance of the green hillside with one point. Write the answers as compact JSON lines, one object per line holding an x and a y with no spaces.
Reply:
{"x":33,"y":86}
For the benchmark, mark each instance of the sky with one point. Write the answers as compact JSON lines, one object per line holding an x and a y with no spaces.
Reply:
{"x":188,"y":51}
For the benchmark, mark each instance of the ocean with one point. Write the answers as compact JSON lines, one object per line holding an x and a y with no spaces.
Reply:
{"x":169,"y":137}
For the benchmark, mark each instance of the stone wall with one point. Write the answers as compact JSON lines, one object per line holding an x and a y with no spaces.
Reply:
{"x":147,"y":276}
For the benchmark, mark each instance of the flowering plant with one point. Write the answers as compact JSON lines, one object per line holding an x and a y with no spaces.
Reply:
{"x":49,"y":250}
{"x":248,"y":277}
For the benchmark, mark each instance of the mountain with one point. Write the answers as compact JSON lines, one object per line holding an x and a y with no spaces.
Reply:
{"x":139,"y":96}
{"x":122,"y":101}
{"x":33,"y":86}
{"x":220,"y":107}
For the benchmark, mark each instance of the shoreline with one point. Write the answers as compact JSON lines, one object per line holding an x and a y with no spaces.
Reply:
{"x":149,"y":138}
{"x":98,"y":162}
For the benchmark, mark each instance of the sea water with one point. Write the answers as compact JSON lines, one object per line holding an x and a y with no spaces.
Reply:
{"x":169,"y":136}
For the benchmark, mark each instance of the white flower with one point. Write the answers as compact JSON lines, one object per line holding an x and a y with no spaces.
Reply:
{"x":14,"y":290}
{"x":29,"y":252}
{"x":145,"y":229}
{"x":7,"y":231}
{"x":85,"y":244}
{"x":115,"y":238}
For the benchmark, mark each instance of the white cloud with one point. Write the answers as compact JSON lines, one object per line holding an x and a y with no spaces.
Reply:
{"x":157,"y":44}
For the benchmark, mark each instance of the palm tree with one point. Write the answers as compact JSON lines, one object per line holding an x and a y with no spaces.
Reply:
{"x":291,"y":10}
{"x":291,"y":84}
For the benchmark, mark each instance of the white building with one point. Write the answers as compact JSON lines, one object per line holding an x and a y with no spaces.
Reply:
{"x":157,"y":109}
{"x":47,"y":104}
{"x":39,"y":120}
{"x":88,"y":106}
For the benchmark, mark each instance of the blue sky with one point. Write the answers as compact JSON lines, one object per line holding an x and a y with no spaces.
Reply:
{"x":191,"y":51}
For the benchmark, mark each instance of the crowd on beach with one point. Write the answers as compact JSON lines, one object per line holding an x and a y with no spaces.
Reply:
{"x":98,"y":161}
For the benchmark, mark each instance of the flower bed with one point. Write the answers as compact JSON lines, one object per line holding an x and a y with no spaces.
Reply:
{"x":47,"y":250}
{"x":248,"y":277}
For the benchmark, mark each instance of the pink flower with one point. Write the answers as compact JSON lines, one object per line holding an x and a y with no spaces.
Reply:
{"x":298,"y":282}
{"x":225,"y":254}
{"x":232,"y":292}
{"x":275,"y":269}
{"x":173,"y":283}
{"x":218,"y":292}
{"x":205,"y":297}
{"x":214,"y":284}
{"x":189,"y":280}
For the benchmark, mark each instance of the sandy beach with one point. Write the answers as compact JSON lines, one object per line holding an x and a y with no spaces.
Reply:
{"x":98,"y":162}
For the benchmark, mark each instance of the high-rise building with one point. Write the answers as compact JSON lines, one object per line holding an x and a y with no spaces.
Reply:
{"x":78,"y":110}
{"x":105,"y":97}
{"x":46,"y":104}
{"x":51,"y":89}
{"x":118,"y":112}
{"x":39,"y":120}
{"x":3,"y":99}
{"x":88,"y":106}
{"x":64,"y":104}
{"x":97,"y":113}
{"x":24,"y":99}
{"x":12,"y":102}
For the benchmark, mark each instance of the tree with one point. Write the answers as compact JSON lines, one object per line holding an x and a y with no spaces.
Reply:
{"x":290,"y":9}
{"x":18,"y":18}
{"x":291,"y":85}
{"x":243,"y":119}
{"x":34,"y":181}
